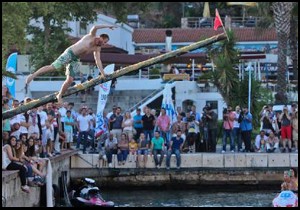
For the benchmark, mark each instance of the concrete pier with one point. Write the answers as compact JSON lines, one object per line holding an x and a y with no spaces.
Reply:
{"x":196,"y":169}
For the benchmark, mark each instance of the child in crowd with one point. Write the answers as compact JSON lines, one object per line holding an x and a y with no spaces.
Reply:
{"x":133,"y":146}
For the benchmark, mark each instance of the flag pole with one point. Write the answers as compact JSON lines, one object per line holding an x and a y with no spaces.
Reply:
{"x":217,"y":12}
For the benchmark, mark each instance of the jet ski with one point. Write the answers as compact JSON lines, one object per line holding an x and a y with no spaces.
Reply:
{"x":286,"y":198}
{"x":88,"y":195}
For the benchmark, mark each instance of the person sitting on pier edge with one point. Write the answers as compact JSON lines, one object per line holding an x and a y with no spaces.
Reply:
{"x":111,"y":144}
{"x":123,"y":149}
{"x":157,"y":144}
{"x":272,"y":143}
{"x":143,"y":147}
{"x":175,"y":148}
{"x":11,"y":162}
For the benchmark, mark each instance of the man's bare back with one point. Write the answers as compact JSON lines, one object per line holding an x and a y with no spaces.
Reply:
{"x":85,"y":45}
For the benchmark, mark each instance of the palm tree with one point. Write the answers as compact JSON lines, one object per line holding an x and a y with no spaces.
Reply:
{"x":293,"y":40}
{"x":224,"y":57}
{"x":282,"y":17}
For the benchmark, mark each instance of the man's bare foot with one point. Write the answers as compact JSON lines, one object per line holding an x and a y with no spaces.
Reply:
{"x":29,"y":78}
{"x":59,"y":98}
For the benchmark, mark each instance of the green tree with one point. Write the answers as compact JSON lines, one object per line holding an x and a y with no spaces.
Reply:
{"x":233,"y":90}
{"x":50,"y":40}
{"x":282,"y":12}
{"x":15,"y":17}
{"x":281,"y":15}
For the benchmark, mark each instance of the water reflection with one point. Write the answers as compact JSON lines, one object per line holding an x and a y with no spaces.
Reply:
{"x":188,"y":198}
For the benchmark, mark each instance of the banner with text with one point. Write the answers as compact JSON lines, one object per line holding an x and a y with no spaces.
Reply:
{"x":104,"y":90}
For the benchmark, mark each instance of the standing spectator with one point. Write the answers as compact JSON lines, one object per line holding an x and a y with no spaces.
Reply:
{"x":212,"y":119}
{"x":83,"y":125}
{"x":148,"y":123}
{"x":143,"y":148}
{"x":163,"y":124}
{"x":237,"y":129}
{"x":295,"y":130}
{"x":246,"y":128}
{"x":127,"y":125}
{"x":123,"y":149}
{"x":260,"y":141}
{"x":63,"y":112}
{"x":286,"y":129}
{"x":111,"y":144}
{"x":193,"y":130}
{"x":178,"y":125}
{"x":267,"y":123}
{"x":44,"y":118}
{"x":91,"y":132}
{"x":197,"y":117}
{"x":157,"y":144}
{"x":68,"y":128}
{"x":272,"y":143}
{"x":137,"y":123}
{"x":116,"y":123}
{"x":228,"y":118}
{"x":175,"y":148}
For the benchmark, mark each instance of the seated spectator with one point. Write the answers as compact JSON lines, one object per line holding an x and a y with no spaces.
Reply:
{"x":110,"y":148}
{"x":123,"y":149}
{"x":143,"y":148}
{"x":33,"y":156}
{"x":272,"y":142}
{"x":157,"y":144}
{"x":175,"y":148}
{"x":11,"y":162}
{"x":133,"y":147}
{"x":260,"y":140}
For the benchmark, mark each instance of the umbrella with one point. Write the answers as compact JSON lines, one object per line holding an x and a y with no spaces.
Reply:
{"x":206,"y":12}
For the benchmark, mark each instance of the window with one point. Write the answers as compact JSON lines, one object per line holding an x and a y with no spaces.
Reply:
{"x":82,"y":28}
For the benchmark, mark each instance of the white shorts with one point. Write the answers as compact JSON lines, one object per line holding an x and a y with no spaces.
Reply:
{"x":69,"y":136}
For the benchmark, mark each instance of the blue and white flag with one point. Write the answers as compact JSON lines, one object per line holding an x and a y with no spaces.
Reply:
{"x":167,"y":103}
{"x":11,"y":66}
{"x":104,"y":90}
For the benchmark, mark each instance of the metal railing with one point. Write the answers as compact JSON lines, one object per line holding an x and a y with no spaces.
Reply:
{"x":133,"y":108}
{"x":234,"y":22}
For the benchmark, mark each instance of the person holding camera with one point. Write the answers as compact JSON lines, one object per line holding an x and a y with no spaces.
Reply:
{"x":236,"y":128}
{"x":286,"y":129}
{"x":228,"y":119}
{"x":246,"y":127}
{"x":212,"y":125}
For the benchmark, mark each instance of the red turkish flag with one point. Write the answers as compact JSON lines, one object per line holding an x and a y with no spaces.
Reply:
{"x":218,"y":22}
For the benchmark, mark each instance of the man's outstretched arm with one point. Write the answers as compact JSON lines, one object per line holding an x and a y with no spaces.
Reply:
{"x":98,"y":60}
{"x":95,"y":28}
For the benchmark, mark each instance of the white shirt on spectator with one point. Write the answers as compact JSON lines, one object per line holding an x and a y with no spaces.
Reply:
{"x":83,"y":122}
{"x":257,"y":140}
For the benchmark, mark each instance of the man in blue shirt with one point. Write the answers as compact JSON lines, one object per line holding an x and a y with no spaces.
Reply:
{"x":157,"y":144}
{"x":175,"y":148}
{"x":137,"y":123}
{"x":246,"y":128}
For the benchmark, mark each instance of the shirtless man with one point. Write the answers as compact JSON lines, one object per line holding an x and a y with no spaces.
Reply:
{"x":70,"y":57}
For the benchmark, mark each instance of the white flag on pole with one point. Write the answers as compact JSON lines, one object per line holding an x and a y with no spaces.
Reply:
{"x":104,"y":90}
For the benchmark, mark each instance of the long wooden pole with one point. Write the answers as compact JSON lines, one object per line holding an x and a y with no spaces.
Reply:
{"x":79,"y":87}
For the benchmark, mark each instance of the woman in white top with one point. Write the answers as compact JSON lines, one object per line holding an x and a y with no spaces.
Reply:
{"x":11,"y":162}
{"x":127,"y":125}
